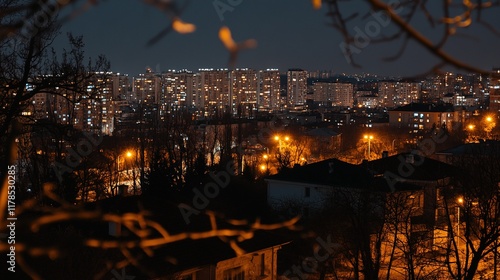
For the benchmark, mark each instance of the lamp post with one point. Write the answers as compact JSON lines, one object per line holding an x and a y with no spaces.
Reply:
{"x":490,"y":124}
{"x":460,"y":201}
{"x":278,"y":138}
{"x":266,"y":158}
{"x":128,"y":154}
{"x":369,"y":138}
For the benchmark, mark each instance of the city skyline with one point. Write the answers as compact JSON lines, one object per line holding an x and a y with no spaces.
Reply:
{"x":121,"y":33}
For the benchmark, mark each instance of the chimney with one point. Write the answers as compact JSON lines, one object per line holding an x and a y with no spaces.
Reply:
{"x":385,"y":154}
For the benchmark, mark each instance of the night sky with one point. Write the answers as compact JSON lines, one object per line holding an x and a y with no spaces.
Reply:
{"x":290,"y":34}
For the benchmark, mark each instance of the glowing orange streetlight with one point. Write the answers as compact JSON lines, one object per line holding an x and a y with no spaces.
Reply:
{"x":471,"y":127}
{"x":368,"y":137}
{"x":460,"y":201}
{"x":128,"y":154}
{"x":266,"y":158}
{"x":278,"y":138}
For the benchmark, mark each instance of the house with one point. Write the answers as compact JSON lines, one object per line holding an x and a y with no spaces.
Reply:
{"x":422,"y":117}
{"x":429,"y":176}
{"x":239,"y":256}
{"x":309,"y":188}
{"x":485,"y":149}
{"x":213,"y":259}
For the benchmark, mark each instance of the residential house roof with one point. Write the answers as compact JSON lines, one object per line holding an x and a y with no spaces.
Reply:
{"x":331,"y":172}
{"x":411,"y":167}
{"x":398,"y":172}
{"x":487,"y":148}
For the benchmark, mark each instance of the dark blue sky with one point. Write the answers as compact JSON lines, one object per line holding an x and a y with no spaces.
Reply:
{"x":290,"y":34}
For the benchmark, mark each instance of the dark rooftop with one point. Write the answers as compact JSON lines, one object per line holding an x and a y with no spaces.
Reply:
{"x":411,"y":166}
{"x":331,"y":172}
{"x":487,"y":148}
{"x":373,"y":175}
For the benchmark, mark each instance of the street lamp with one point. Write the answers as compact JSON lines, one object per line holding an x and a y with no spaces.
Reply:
{"x":490,"y":124}
{"x":460,"y":201}
{"x":266,"y":158}
{"x":128,"y":154}
{"x":278,"y":138}
{"x":369,"y":138}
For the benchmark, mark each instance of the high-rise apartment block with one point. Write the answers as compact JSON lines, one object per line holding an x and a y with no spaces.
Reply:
{"x":244,"y":91}
{"x":395,"y":93}
{"x":297,"y":87}
{"x":334,"y":94}
{"x":215,"y":87}
{"x":146,"y":88}
{"x":268,"y":98}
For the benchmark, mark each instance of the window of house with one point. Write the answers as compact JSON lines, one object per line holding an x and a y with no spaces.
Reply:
{"x":236,"y":273}
{"x":308,"y":192}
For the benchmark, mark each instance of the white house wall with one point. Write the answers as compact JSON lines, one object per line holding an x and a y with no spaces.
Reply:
{"x":280,"y":193}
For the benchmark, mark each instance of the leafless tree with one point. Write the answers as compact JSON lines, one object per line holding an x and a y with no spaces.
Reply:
{"x":451,"y":18}
{"x":473,"y":218}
